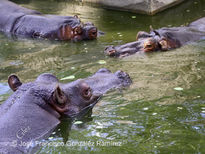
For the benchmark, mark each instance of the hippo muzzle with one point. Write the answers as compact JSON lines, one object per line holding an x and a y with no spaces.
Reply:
{"x":89,"y":31}
{"x":124,"y":50}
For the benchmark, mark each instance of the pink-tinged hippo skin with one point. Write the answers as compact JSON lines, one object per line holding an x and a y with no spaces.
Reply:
{"x":162,"y":39}
{"x":35,"y":108}
{"x":23,"y":22}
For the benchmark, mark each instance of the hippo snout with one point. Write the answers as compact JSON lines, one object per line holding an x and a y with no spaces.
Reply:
{"x":90,"y":31}
{"x":124,"y":78}
{"x":110,"y":51}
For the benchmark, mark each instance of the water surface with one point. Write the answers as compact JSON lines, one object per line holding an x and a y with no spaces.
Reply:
{"x":164,"y":109}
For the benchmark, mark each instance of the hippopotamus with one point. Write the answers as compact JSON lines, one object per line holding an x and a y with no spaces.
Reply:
{"x":34,"y":110}
{"x":24,"y":22}
{"x":162,"y":39}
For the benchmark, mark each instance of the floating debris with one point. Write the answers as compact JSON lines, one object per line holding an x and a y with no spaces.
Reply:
{"x":178,"y":89}
{"x":101,"y":62}
{"x":179,"y":108}
{"x":99,"y":127}
{"x":145,"y":108}
{"x":78,"y":122}
{"x":133,"y":17}
{"x":154,"y":114}
{"x":50,"y":138}
{"x":125,"y":122}
{"x":68,"y":77}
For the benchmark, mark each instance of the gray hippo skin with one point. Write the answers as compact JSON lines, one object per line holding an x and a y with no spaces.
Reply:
{"x":162,"y":39}
{"x":20,"y":21}
{"x":32,"y":112}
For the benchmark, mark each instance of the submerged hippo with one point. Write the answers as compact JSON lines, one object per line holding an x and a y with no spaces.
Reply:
{"x":32,"y":112}
{"x":162,"y":39}
{"x":20,"y":21}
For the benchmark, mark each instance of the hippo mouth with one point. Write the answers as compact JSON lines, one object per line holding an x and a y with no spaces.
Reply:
{"x":82,"y":32}
{"x":84,"y":110}
{"x":124,"y":50}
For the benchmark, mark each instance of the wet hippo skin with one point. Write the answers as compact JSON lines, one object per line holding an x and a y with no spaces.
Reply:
{"x":32,"y":112}
{"x":24,"y":22}
{"x":162,"y":39}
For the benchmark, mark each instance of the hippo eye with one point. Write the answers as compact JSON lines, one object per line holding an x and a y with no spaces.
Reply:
{"x":86,"y":91}
{"x":80,"y":31}
{"x":93,"y":33}
{"x":148,"y":45}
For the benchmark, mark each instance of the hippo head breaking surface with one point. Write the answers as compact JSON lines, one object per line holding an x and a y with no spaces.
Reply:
{"x":57,"y":27}
{"x":70,"y":98}
{"x":146,"y":42}
{"x":22,"y":22}
{"x":157,"y":40}
{"x":32,"y":112}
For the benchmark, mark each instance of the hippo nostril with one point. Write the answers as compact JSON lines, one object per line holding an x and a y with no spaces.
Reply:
{"x":103,"y":70}
{"x":92,"y":33}
{"x":111,"y":52}
{"x":124,"y":77}
{"x":120,"y":74}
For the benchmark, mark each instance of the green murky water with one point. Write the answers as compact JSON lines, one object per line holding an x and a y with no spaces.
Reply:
{"x":150,"y":116}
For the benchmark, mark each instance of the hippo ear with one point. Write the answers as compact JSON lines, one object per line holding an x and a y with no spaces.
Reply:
{"x":14,"y":82}
{"x":59,"y":96}
{"x":151,"y":28}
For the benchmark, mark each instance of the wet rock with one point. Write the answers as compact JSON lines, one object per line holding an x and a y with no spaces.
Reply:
{"x":139,"y":6}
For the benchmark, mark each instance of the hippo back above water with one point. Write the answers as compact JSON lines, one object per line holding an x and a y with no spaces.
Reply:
{"x":20,"y":21}
{"x":33,"y":111}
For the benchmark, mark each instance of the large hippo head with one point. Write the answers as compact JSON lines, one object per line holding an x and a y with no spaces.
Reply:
{"x":157,"y":40}
{"x":73,"y":29}
{"x":32,"y":112}
{"x":70,"y":98}
{"x":23,"y":22}
{"x":55,"y":27}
